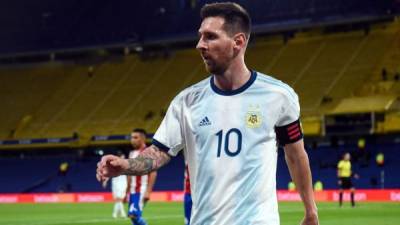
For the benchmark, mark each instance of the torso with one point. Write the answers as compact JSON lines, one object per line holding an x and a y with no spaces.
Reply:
{"x":232,"y":152}
{"x":138,"y":183}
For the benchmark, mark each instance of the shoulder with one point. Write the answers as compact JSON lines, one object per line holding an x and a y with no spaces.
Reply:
{"x":275,"y":85}
{"x":192,"y":92}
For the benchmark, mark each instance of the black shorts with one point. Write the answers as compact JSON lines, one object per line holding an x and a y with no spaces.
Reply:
{"x":345,"y":183}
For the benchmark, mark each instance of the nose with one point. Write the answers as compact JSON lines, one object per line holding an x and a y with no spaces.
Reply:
{"x":200,"y":45}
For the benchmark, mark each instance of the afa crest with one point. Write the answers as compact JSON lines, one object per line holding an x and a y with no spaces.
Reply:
{"x":253,"y":118}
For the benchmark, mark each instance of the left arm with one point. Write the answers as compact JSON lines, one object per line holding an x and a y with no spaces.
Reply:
{"x":149,"y":160}
{"x":299,"y":168}
{"x":150,"y":185}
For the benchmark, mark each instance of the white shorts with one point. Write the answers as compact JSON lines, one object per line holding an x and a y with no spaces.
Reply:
{"x":119,"y":194}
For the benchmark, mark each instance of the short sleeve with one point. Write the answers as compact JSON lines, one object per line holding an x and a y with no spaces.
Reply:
{"x":169,"y":135}
{"x":290,"y":109}
{"x":288,"y":127}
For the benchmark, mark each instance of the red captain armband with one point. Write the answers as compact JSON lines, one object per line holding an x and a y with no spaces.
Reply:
{"x":289,"y":133}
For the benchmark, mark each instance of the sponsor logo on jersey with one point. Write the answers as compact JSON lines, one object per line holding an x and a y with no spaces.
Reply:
{"x":205,"y":122}
{"x":253,"y":117}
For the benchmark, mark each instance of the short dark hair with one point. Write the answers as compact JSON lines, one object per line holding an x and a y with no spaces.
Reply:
{"x":237,"y":19}
{"x":141,"y":131}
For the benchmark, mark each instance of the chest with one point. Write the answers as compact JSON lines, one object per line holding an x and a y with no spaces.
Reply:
{"x":248,"y":114}
{"x":346,"y":166}
{"x":134,"y":154}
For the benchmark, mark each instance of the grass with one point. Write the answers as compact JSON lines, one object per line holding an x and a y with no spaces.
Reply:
{"x":171,"y":214}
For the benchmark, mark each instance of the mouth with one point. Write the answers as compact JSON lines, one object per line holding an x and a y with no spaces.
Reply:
{"x":207,"y":59}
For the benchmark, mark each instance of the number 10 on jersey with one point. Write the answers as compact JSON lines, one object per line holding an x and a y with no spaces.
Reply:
{"x":223,"y":142}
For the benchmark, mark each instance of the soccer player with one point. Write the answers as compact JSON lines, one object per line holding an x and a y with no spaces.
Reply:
{"x":344,"y":174}
{"x":118,"y":188}
{"x":228,"y":126}
{"x":187,"y":197}
{"x":140,"y":186}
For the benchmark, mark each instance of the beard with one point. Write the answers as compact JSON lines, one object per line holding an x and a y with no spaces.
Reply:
{"x":214,"y":68}
{"x":218,"y":71}
{"x":135,"y":145}
{"x":218,"y":65}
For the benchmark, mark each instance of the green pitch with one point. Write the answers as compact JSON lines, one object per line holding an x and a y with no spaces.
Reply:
{"x":171,"y":214}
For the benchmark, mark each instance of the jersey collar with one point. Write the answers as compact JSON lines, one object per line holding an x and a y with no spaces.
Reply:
{"x":253,"y":77}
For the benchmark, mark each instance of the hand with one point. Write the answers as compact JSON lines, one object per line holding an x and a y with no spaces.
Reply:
{"x":127,"y":197}
{"x":311,"y":219}
{"x":110,"y":166}
{"x":146,"y":197}
{"x":105,"y":181}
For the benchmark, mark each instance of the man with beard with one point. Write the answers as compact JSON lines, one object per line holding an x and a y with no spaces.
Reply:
{"x":139,"y":186}
{"x":228,"y":126}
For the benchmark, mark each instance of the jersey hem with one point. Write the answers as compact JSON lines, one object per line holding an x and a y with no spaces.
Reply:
{"x":160,"y":145}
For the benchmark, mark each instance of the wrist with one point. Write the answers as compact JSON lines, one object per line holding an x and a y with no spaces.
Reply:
{"x":125,"y":165}
{"x":311,"y":212}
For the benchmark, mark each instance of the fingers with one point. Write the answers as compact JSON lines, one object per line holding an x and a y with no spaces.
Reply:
{"x":102,"y":170}
{"x":115,"y":162}
{"x":119,"y":163}
{"x":99,"y":173}
{"x":109,"y":166}
{"x":106,"y":159}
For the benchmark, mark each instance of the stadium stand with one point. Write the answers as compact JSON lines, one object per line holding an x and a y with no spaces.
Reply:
{"x":339,"y":56}
{"x":80,"y":176}
{"x":49,"y":26}
{"x":58,"y":100}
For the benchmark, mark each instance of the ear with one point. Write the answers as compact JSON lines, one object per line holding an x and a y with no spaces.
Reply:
{"x":240,"y":41}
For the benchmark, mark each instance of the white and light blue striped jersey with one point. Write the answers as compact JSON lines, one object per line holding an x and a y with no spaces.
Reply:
{"x":229,"y":142}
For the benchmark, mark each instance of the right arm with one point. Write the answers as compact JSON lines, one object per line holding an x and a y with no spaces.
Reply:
{"x":339,"y":167}
{"x":150,"y":185}
{"x":128,"y":186}
{"x":150,"y":159}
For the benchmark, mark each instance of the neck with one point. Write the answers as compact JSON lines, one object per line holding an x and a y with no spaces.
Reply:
{"x":233,"y":78}
{"x":141,"y":147}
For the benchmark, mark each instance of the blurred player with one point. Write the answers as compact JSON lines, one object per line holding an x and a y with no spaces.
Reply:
{"x":118,"y":188}
{"x":345,"y":173}
{"x":140,"y":187}
{"x":187,"y":198}
{"x":228,"y":126}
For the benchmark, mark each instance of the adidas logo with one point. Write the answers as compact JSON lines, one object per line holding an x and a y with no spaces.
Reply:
{"x":205,"y":122}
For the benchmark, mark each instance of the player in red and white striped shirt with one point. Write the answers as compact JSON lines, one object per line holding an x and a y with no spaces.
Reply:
{"x":187,"y":199}
{"x":140,"y":187}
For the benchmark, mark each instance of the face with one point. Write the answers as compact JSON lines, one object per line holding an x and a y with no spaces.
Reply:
{"x":216,"y":47}
{"x":347,"y":156}
{"x":137,"y":140}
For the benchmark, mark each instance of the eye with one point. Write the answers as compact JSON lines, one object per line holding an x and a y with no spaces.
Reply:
{"x":210,"y":36}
